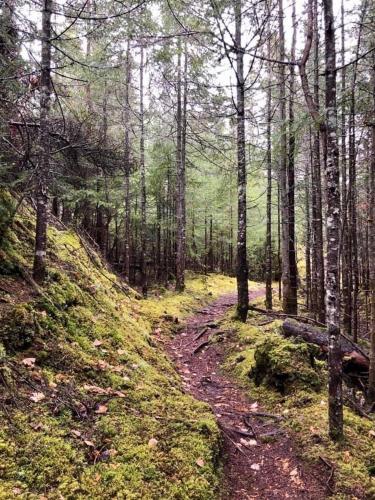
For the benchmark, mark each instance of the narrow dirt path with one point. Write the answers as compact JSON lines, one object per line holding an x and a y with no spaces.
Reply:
{"x":260,"y":457}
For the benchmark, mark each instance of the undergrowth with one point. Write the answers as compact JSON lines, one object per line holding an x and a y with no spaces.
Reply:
{"x":287,"y":378}
{"x":90,"y":405}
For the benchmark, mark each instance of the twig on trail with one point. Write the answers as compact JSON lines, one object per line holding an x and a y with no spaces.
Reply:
{"x":200,"y":347}
{"x":231,"y":440}
{"x":246,"y":421}
{"x":266,"y":415}
{"x":332,"y":469}
{"x":264,"y":323}
{"x":238,"y":431}
{"x":202,"y":332}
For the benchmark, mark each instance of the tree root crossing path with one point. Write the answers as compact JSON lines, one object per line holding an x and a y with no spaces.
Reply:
{"x":260,"y":457}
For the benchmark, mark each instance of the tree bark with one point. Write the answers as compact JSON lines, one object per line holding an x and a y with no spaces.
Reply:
{"x":292,"y":307}
{"x":39,"y":269}
{"x":242,"y":266}
{"x":127,"y":165}
{"x":180,"y":181}
{"x":332,"y":176}
{"x":283,"y":178}
{"x":143,"y":249}
{"x":269,"y":185}
{"x":371,"y":388}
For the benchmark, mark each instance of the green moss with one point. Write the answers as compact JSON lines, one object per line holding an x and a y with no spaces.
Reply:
{"x":285,"y":365}
{"x":262,"y":348}
{"x":89,"y":340}
{"x":18,"y":327}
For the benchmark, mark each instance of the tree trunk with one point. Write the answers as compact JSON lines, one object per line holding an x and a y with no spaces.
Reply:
{"x":332,"y":175}
{"x":180,"y":180}
{"x":269,"y":185}
{"x":288,"y":302}
{"x":292,"y":307}
{"x":371,"y":388}
{"x":143,"y":249}
{"x":39,"y":269}
{"x":127,"y":165}
{"x":242,"y":266}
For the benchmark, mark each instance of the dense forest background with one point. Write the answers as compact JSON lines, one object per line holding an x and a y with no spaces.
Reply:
{"x":235,"y":137}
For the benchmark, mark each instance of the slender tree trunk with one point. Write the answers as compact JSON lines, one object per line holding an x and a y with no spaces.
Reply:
{"x":328,"y":129}
{"x":346,"y":259}
{"x":269,"y":186}
{"x":371,"y":223}
{"x":143,"y":249}
{"x":180,"y":181}
{"x":242,"y":266}
{"x":308,"y":249}
{"x":292,"y":307}
{"x":332,"y":175}
{"x":317,"y":188}
{"x":39,"y":269}
{"x":284,"y":201}
{"x":127,"y":165}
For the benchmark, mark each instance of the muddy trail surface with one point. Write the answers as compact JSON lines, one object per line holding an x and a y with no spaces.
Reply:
{"x":260,"y":457}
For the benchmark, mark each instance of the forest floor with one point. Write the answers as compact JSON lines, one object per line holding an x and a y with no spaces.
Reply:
{"x":261,"y":460}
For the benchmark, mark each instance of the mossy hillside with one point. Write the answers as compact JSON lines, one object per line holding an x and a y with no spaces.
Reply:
{"x":100,"y":412}
{"x":304,"y":405}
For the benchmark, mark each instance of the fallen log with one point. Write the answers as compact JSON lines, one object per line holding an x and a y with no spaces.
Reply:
{"x":354,"y":357}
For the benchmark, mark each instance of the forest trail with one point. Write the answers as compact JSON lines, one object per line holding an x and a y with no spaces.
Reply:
{"x":261,"y":460}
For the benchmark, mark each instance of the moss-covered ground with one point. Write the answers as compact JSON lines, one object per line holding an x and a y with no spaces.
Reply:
{"x":286,"y":378}
{"x":90,"y":405}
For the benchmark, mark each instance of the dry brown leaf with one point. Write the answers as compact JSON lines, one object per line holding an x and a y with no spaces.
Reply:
{"x":200,"y":462}
{"x":89,"y":443}
{"x":97,"y":343}
{"x":76,"y":433}
{"x":95,"y":389}
{"x":152,"y":443}
{"x":255,"y":467}
{"x":29,"y":362}
{"x":371,"y":433}
{"x":119,"y":394}
{"x":37,"y":397}
{"x":101,"y":409}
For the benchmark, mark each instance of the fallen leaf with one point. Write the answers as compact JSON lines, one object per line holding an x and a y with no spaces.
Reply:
{"x":101,"y":409}
{"x":254,"y":406}
{"x":16,"y":491}
{"x":121,"y":351}
{"x":119,"y":394}
{"x":95,"y":389}
{"x":285,"y":464}
{"x":89,"y":443}
{"x":371,"y":433}
{"x":200,"y":462}
{"x":37,"y":426}
{"x":294,"y":472}
{"x":97,"y":343}
{"x":37,"y":397}
{"x":103,"y":365}
{"x":248,"y":442}
{"x":52,"y":385}
{"x":152,"y":443}
{"x":255,"y":466}
{"x":76,"y":433}
{"x":29,"y":362}
{"x":347,"y":456}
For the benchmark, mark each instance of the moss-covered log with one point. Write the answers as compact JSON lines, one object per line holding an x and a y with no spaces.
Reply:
{"x":354,"y":358}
